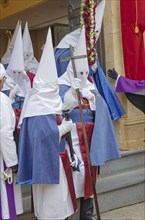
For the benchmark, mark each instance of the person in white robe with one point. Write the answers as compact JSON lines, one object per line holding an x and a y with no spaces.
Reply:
{"x":18,"y":83}
{"x":10,"y":193}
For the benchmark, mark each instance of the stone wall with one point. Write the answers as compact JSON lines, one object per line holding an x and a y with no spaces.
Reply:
{"x":129,"y":129}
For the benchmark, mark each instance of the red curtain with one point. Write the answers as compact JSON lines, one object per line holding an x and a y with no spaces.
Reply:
{"x":133,"y":14}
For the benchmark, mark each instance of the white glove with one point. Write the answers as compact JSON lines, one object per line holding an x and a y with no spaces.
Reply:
{"x":94,"y":67}
{"x":13,"y":93}
{"x":70,"y":100}
{"x":76,"y":83}
{"x":75,"y":162}
{"x":88,"y":94}
{"x":90,"y":97}
{"x":7,"y":175}
{"x":65,"y":127}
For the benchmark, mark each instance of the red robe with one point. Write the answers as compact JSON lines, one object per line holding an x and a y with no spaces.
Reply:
{"x":132,"y":15}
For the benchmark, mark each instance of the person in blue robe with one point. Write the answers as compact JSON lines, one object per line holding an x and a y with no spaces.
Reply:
{"x":40,"y":162}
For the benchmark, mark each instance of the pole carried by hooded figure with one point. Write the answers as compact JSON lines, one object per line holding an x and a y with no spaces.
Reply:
{"x":85,"y":138}
{"x":72,"y":58}
{"x":69,"y":140}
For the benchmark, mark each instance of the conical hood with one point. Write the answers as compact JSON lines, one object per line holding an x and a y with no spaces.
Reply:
{"x":44,"y":99}
{"x":82,"y":67}
{"x":15,"y":72}
{"x":2,"y":71}
{"x":6,"y":58}
{"x":17,"y":60}
{"x":30,"y":62}
{"x":11,"y":45}
{"x":47,"y":67}
{"x":27,"y":44}
{"x":99,"y":17}
{"x":71,"y":38}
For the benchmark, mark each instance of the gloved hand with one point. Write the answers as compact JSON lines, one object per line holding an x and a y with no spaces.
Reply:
{"x":75,"y":162}
{"x":94,"y":67}
{"x":65,"y":127}
{"x":7,"y":175}
{"x":76,"y":83}
{"x":14,"y":168}
{"x":90,"y":97}
{"x":70,"y":100}
{"x":13,"y":93}
{"x":112,"y":73}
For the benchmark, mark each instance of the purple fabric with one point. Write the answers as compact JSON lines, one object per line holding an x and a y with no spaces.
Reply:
{"x":128,"y":85}
{"x":11,"y":200}
{"x":0,"y":209}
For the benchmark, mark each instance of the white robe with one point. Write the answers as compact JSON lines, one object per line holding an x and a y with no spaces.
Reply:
{"x":53,"y":201}
{"x":78,"y":176}
{"x":8,"y":154}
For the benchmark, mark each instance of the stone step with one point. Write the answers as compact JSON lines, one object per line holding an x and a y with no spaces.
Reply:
{"x":122,"y":189}
{"x":129,"y":160}
{"x":122,"y":182}
{"x":119,"y":190}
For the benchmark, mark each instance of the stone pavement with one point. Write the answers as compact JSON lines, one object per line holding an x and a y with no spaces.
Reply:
{"x":133,"y":212}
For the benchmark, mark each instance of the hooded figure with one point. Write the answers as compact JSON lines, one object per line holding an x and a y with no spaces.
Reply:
{"x":17,"y":78}
{"x":40,"y":163}
{"x":62,"y":50}
{"x":30,"y":62}
{"x":6,"y":57}
{"x":10,"y":194}
{"x":97,"y":122}
{"x":17,"y":84}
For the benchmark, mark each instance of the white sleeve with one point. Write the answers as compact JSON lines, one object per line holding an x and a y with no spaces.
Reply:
{"x":7,"y":126}
{"x":117,"y":81}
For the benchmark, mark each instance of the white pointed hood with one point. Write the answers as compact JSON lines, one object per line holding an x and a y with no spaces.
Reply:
{"x":47,"y":63}
{"x":2,"y":71}
{"x":44,"y":99}
{"x":81,"y":64}
{"x":6,"y":57}
{"x":71,"y":38}
{"x":15,"y":71}
{"x":99,"y":17}
{"x":31,"y":64}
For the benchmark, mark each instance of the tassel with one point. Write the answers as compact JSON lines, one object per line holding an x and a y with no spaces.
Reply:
{"x":136,"y":29}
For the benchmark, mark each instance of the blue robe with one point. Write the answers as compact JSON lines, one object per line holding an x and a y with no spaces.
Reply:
{"x":39,"y":151}
{"x":18,"y":102}
{"x":61,"y":65}
{"x":115,"y":108}
{"x":104,"y":145}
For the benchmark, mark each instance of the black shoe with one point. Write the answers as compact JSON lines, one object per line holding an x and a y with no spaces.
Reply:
{"x":86,"y":209}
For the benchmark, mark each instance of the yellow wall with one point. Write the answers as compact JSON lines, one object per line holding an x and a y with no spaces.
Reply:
{"x":130,"y":128}
{"x":15,"y":6}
